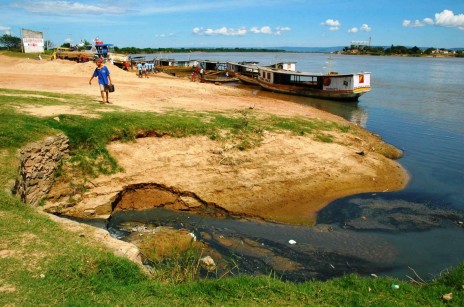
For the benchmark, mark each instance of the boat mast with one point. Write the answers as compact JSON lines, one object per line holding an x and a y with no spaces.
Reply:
{"x":329,"y":65}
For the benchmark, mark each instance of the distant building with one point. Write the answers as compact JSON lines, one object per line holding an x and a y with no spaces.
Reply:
{"x":360,"y":44}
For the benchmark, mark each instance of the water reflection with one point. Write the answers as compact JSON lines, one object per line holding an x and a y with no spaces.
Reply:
{"x":352,"y":112}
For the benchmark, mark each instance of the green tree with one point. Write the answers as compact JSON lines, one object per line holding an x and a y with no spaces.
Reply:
{"x":429,"y":50}
{"x":10,"y":42}
{"x":397,"y":50}
{"x":415,"y":50}
{"x":48,"y":45}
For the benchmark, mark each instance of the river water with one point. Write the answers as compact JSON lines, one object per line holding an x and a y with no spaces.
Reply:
{"x":416,"y":104}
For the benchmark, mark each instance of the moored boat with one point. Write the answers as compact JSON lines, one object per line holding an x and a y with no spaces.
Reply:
{"x":219,"y":80}
{"x":219,"y":77}
{"x":334,"y":86}
{"x":247,"y":72}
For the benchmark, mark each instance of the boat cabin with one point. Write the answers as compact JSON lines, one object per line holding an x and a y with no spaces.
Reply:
{"x":243,"y":67}
{"x":187,"y":63}
{"x":326,"y":82}
{"x":164,"y":62}
{"x":213,"y":65}
{"x":289,"y":66}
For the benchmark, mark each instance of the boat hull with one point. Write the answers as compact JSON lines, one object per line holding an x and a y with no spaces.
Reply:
{"x":247,"y":79}
{"x":340,"y":95}
{"x":219,"y":80}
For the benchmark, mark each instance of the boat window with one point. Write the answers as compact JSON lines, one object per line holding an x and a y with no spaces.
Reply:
{"x":304,"y":80}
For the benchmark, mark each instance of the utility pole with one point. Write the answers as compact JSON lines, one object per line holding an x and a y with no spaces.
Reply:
{"x":45,"y":38}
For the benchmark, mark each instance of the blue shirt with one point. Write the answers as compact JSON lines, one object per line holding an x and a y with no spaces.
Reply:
{"x":102,"y":74}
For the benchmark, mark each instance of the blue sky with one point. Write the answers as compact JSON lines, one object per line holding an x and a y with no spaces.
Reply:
{"x":240,"y":23}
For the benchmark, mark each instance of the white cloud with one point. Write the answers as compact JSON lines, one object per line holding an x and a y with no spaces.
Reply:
{"x":333,"y":25}
{"x":446,"y":18}
{"x":280,"y":30}
{"x":221,"y":31}
{"x":164,"y":35}
{"x":138,"y":8}
{"x":67,"y":7}
{"x":428,"y":21}
{"x":262,"y":30}
{"x":267,"y":30}
{"x":366,"y":28}
{"x":415,"y":24}
{"x":363,"y":28}
{"x":5,"y":30}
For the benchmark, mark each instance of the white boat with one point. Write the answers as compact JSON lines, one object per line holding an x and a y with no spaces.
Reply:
{"x":334,"y":86}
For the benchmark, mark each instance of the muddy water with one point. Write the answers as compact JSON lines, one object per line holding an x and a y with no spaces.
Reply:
{"x":365,"y":241}
{"x":416,"y":104}
{"x":261,"y":248}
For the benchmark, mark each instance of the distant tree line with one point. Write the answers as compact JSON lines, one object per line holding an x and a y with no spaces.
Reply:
{"x":401,"y":50}
{"x":134,"y":50}
{"x":13,"y":43}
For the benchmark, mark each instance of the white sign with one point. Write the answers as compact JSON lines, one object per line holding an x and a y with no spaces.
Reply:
{"x":32,"y":41}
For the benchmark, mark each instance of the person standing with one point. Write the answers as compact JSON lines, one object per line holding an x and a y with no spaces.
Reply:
{"x":145,"y":70}
{"x":139,"y":69}
{"x":104,"y":79}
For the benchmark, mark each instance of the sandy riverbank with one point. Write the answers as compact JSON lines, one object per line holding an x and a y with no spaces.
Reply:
{"x":287,"y":179}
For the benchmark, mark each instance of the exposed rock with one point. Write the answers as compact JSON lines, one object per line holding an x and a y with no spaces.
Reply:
{"x":39,"y":162}
{"x":208,"y":263}
{"x":447,"y":297}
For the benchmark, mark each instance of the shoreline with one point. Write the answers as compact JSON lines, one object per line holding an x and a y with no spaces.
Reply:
{"x":270,"y":182}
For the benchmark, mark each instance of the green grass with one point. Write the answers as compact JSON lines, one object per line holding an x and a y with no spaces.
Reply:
{"x":89,"y":135}
{"x":42,"y":264}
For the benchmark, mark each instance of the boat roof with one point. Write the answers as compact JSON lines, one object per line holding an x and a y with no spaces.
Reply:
{"x":245,"y":64}
{"x":304,"y":73}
